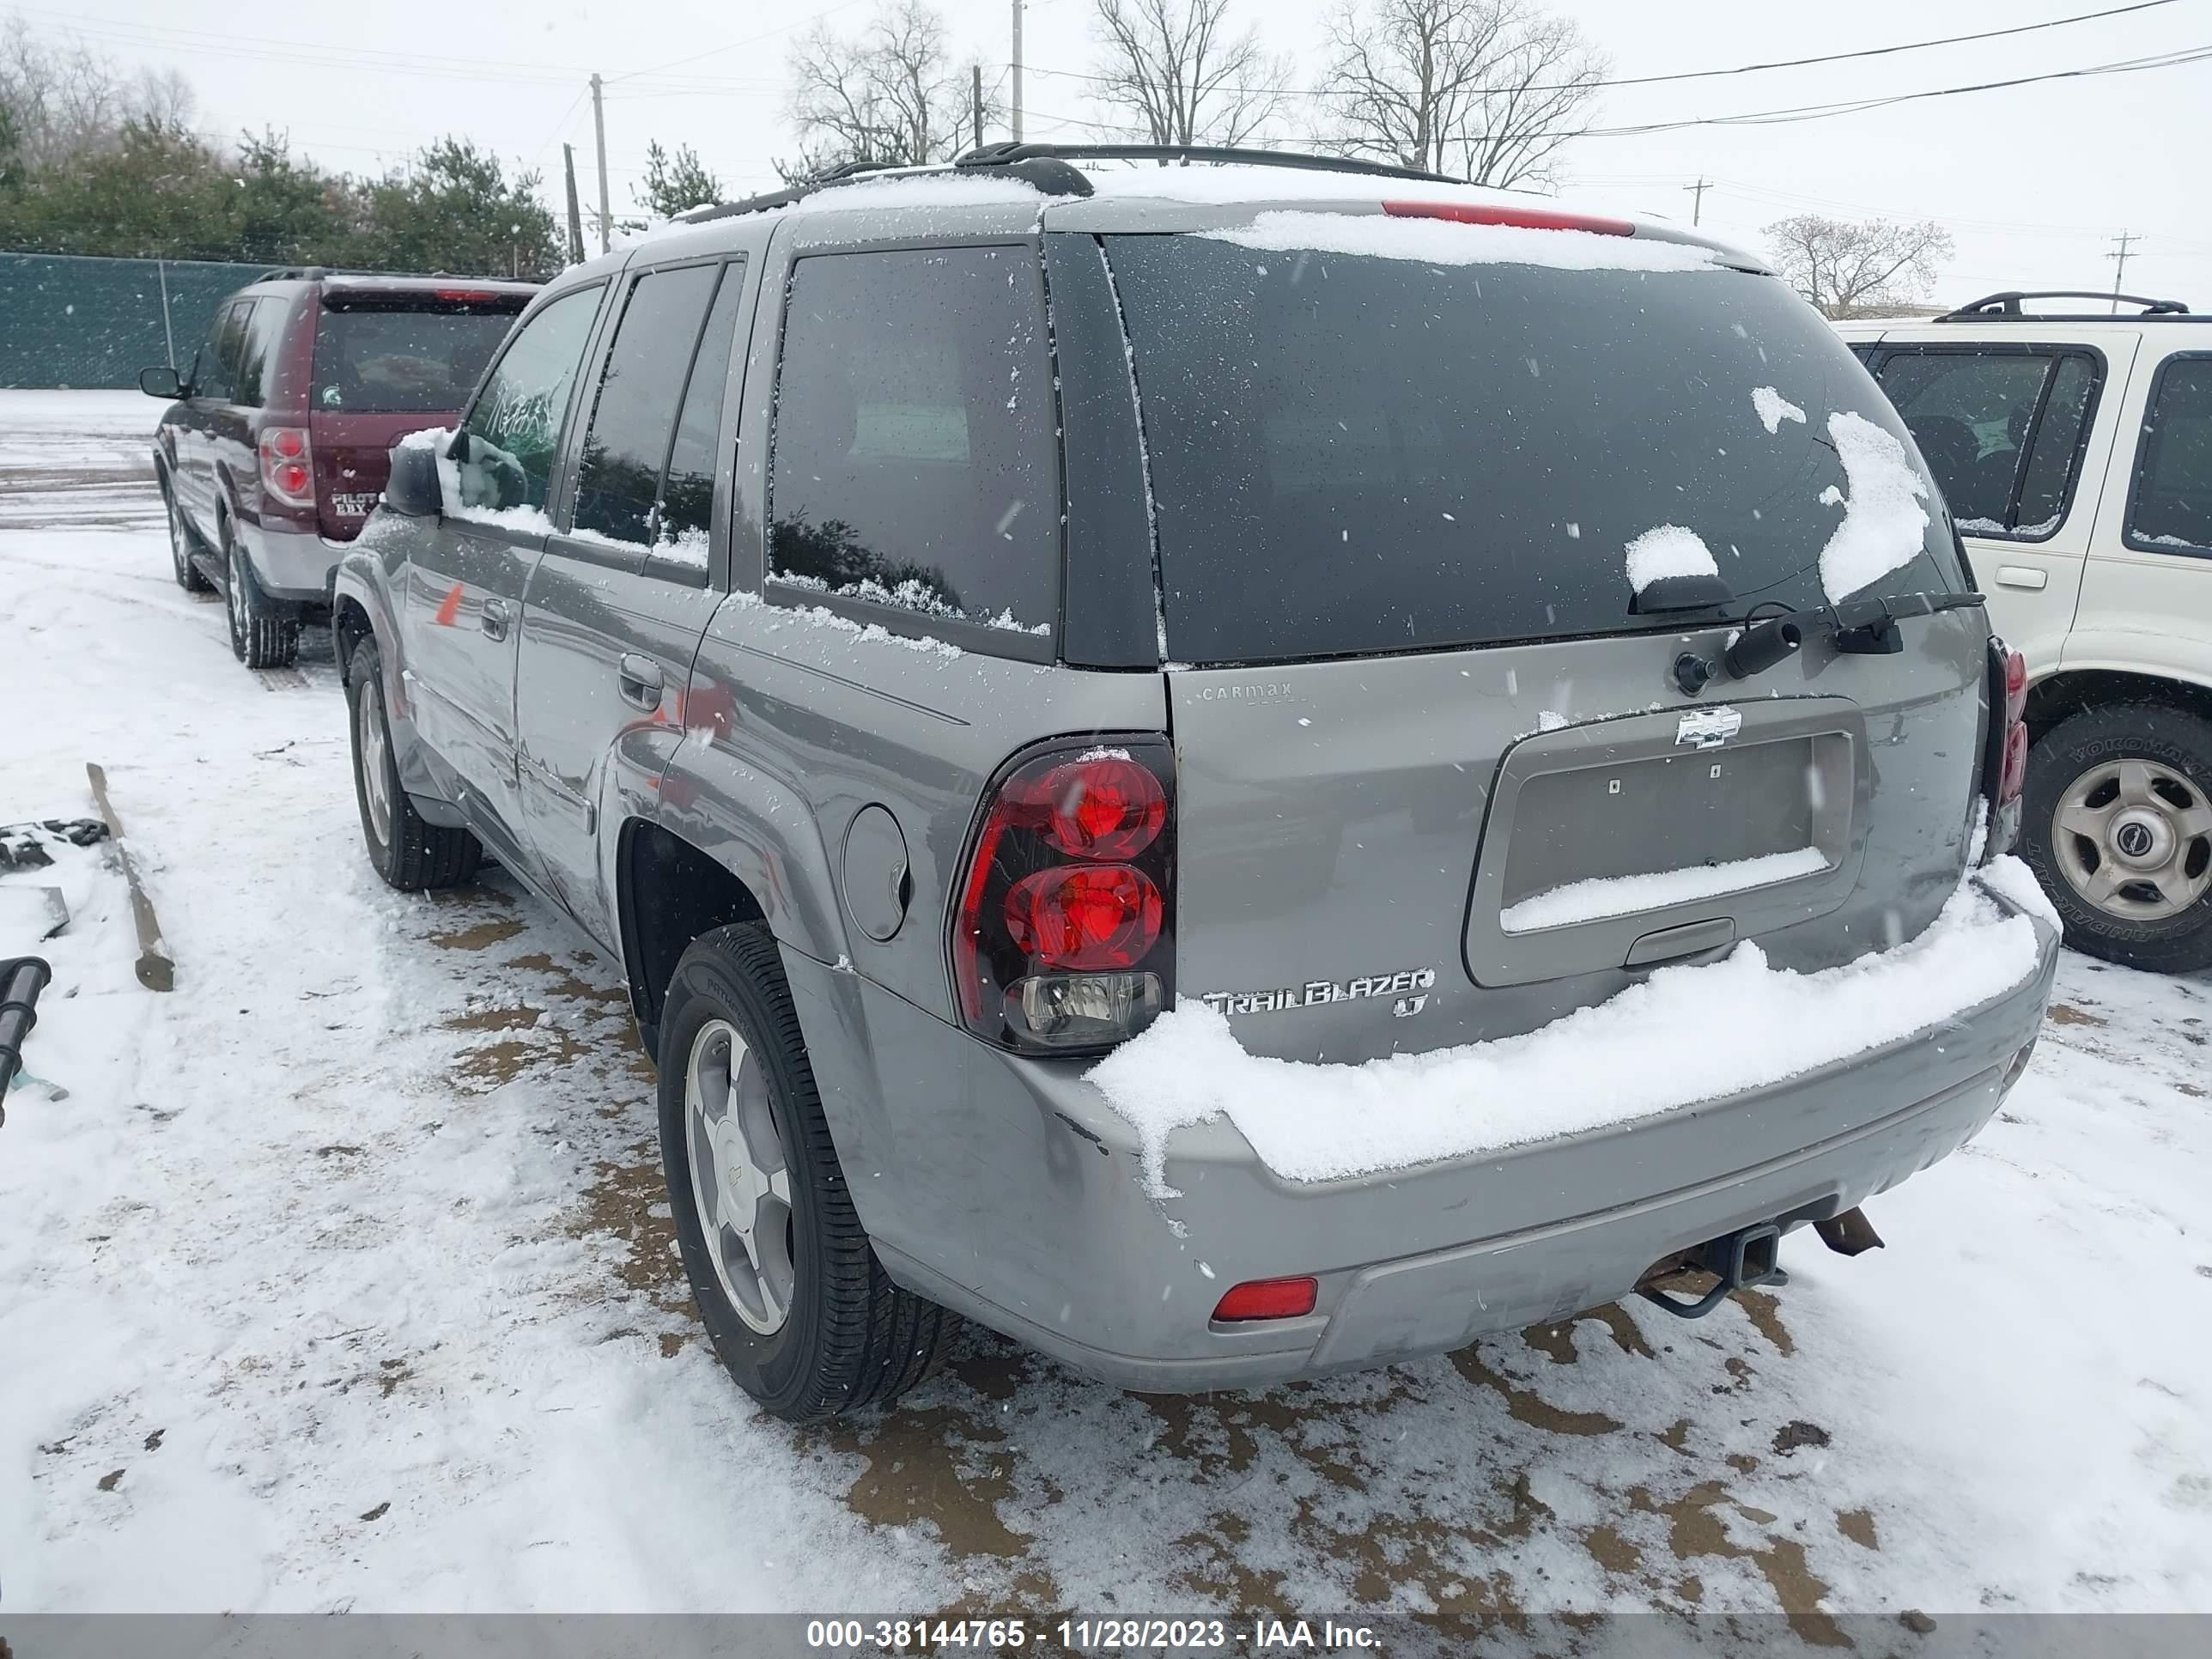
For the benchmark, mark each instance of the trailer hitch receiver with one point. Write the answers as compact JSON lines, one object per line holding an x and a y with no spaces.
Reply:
{"x":1736,"y":1260}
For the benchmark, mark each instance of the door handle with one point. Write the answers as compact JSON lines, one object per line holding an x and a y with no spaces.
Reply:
{"x":639,"y":678}
{"x":2021,"y":576}
{"x":495,"y":619}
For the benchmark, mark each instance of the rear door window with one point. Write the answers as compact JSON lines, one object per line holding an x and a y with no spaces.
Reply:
{"x":2170,"y":509}
{"x":1353,"y":454}
{"x":687,"y":495}
{"x":626,"y":445}
{"x":214,"y":371}
{"x":2002,"y":430}
{"x":915,"y":462}
{"x":514,"y":431}
{"x":388,"y":359}
{"x":257,"y":351}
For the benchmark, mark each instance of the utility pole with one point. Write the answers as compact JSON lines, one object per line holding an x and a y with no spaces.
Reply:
{"x":575,"y":215}
{"x":975,"y":87}
{"x":1698,"y":199}
{"x":2120,"y":270}
{"x":600,"y":128}
{"x":1018,"y":71}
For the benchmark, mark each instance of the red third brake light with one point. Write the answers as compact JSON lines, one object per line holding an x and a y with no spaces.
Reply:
{"x":1062,"y":938}
{"x":1268,"y":1298}
{"x":1506,"y":213}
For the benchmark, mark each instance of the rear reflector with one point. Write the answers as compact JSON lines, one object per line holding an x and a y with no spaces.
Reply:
{"x":1269,"y":1298}
{"x":1527,"y":218}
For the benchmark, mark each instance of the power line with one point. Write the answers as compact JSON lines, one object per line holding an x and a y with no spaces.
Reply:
{"x":1699,"y":75}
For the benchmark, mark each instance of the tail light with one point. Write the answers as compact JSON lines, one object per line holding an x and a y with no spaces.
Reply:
{"x":288,"y":466}
{"x":2006,"y":768}
{"x":1063,"y":938}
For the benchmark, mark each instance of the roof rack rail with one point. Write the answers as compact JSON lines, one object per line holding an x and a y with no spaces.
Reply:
{"x":1005,"y":155}
{"x":291,"y":273}
{"x":1047,"y":167}
{"x":2007,"y":305}
{"x":844,"y":174}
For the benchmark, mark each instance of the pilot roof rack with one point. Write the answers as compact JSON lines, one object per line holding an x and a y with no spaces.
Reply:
{"x":1048,"y":167}
{"x":2006,"y":308}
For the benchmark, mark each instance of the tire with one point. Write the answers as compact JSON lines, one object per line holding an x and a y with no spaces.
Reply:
{"x":180,"y":545}
{"x":410,"y":853}
{"x":848,"y":1338}
{"x":261,"y":635}
{"x":2105,"y":768}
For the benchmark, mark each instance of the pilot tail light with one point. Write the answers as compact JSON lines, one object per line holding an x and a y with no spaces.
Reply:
{"x":287,"y":464}
{"x":1063,"y":939}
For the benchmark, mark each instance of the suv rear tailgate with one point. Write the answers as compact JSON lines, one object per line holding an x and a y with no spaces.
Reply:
{"x":1350,"y":833}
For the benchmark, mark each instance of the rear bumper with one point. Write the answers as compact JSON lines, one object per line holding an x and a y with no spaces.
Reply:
{"x":292,"y":565}
{"x":1007,"y":1189}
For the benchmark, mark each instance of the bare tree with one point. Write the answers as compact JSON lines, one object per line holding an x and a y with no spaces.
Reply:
{"x":1848,"y":270}
{"x":1174,"y":66}
{"x":1487,"y":89}
{"x":891,"y":94}
{"x":59,"y":101}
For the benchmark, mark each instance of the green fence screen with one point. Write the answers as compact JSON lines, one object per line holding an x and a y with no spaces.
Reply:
{"x":66,"y":321}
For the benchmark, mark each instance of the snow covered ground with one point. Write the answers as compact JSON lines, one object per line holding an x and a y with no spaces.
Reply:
{"x":341,"y":1277}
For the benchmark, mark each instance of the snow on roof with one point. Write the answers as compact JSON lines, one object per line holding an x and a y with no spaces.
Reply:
{"x":924,"y":190}
{"x":1447,"y":242}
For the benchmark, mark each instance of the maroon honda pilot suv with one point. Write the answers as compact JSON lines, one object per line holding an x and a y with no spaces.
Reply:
{"x":275,"y":444}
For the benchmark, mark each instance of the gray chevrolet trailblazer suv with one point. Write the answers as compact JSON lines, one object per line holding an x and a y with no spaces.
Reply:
{"x":1236,"y":770}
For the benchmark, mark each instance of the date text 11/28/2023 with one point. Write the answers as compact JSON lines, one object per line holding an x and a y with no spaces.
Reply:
{"x":1111,"y":1635}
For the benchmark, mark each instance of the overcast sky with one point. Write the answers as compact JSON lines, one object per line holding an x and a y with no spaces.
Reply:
{"x":2034,"y":182}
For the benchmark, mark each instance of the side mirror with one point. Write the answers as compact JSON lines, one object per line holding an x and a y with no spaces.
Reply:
{"x":164,"y":383}
{"x":413,"y":488}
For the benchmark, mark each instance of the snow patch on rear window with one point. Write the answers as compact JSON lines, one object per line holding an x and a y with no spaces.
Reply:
{"x":1665,"y":550}
{"x":1620,"y":896}
{"x":1774,"y":409}
{"x":1884,"y":523}
{"x":1446,"y":242}
{"x":1650,"y":1050}
{"x":430,"y":438}
{"x":909,"y":594}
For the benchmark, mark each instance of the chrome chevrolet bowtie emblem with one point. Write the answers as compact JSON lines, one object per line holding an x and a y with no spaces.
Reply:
{"x":1708,"y":728}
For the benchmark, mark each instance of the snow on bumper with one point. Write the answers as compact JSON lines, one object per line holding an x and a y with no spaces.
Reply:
{"x":1686,"y":1035}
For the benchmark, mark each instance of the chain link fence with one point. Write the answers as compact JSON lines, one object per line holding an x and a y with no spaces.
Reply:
{"x":69,"y":321}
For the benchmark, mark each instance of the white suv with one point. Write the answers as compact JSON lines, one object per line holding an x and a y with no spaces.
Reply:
{"x":2074,"y":451}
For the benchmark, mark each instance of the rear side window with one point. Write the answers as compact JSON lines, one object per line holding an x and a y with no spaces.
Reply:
{"x":2171,"y":507}
{"x":214,"y":371}
{"x":686,"y":498}
{"x":515,"y":429}
{"x":915,"y":462}
{"x":1354,"y":454}
{"x":2001,"y":431}
{"x":257,"y":352}
{"x":398,"y":362}
{"x":626,"y":445}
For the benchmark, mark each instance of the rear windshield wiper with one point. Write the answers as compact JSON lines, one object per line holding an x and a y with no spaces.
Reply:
{"x":1857,"y":628}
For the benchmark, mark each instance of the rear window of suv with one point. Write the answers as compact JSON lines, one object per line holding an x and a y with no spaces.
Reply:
{"x":384,"y":358}
{"x":1354,"y":454}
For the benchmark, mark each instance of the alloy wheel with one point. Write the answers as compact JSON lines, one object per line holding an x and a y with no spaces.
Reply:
{"x":740,"y":1181}
{"x":375,"y":785}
